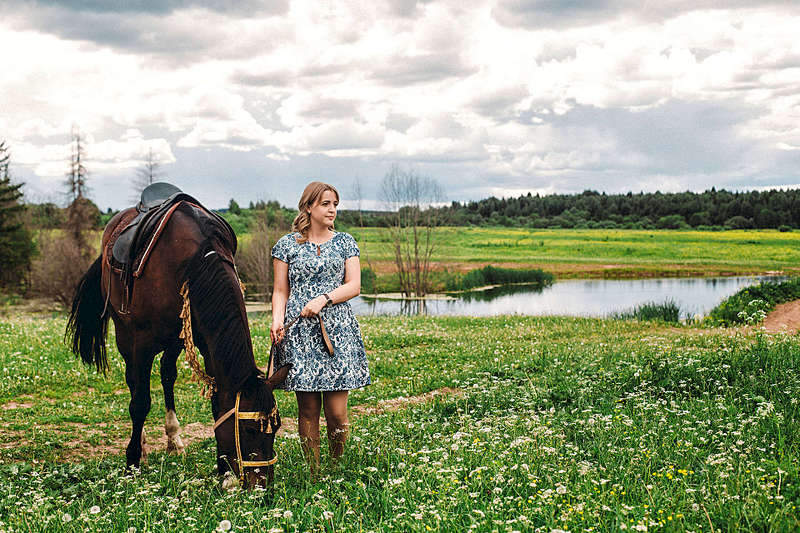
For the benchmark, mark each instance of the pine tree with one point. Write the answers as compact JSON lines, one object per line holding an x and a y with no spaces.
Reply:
{"x":16,"y":244}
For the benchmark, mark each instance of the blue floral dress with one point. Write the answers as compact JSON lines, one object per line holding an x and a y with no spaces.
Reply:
{"x":311,"y":275}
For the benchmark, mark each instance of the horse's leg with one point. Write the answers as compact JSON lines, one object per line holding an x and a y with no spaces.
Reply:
{"x":169,"y":373}
{"x":137,"y":375}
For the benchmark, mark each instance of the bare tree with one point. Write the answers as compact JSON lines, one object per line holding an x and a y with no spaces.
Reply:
{"x":77,"y":173}
{"x":410,"y":197}
{"x":147,"y":174}
{"x":358,"y":196}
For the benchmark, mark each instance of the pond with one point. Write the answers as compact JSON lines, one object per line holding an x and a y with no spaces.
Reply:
{"x":580,"y":297}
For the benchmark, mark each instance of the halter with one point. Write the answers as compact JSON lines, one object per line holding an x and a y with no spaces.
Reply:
{"x":249,"y":415}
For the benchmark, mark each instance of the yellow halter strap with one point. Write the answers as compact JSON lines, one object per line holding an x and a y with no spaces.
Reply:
{"x":246,"y":415}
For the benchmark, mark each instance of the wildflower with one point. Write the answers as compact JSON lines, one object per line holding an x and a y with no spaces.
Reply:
{"x":288,"y":515}
{"x":327,"y":515}
{"x":131,"y":529}
{"x":224,"y":525}
{"x":94,"y":509}
{"x":66,"y":517}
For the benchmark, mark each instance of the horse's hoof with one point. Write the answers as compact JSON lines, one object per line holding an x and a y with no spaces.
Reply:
{"x":230,"y":482}
{"x":144,"y":450}
{"x":175,"y":446}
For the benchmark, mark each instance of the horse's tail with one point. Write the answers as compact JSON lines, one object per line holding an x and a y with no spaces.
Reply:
{"x":87,"y":328}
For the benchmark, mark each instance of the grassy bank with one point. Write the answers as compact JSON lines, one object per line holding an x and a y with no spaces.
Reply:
{"x":603,"y":253}
{"x":557,"y":423}
{"x":752,"y":304}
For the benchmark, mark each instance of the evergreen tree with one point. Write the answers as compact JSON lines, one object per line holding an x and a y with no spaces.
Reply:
{"x":16,"y":244}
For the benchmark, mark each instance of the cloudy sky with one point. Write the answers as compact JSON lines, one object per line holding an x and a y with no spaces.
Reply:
{"x":495,"y":97}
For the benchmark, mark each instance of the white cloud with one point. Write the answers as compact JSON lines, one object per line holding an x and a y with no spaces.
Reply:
{"x":530,"y":95}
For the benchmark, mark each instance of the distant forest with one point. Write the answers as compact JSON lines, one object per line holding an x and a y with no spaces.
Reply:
{"x":709,"y":210}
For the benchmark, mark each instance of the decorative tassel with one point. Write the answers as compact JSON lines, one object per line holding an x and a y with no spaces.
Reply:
{"x":207,"y":383}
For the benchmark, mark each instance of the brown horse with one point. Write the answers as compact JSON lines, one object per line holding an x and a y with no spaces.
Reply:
{"x":196,"y":249}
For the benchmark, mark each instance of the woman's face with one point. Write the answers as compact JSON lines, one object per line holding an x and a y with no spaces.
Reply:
{"x":323,"y":213}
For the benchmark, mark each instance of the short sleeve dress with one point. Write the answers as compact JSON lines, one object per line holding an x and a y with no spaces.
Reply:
{"x":311,"y":275}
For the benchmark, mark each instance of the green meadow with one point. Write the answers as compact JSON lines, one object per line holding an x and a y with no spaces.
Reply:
{"x":547,"y":424}
{"x":602,"y":253}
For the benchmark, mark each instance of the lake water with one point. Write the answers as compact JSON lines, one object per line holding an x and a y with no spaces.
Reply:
{"x":582,"y":297}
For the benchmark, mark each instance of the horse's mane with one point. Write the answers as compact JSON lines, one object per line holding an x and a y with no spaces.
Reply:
{"x":217,"y":304}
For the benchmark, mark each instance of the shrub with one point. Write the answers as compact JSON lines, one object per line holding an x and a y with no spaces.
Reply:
{"x":783,"y":228}
{"x":61,"y":264}
{"x":254,"y":259}
{"x":672,"y":222}
{"x":739,"y":222}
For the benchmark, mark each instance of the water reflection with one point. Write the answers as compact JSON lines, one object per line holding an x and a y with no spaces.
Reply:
{"x":571,"y":297}
{"x":496,"y":292}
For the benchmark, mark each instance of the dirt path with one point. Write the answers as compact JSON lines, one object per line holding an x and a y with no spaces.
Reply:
{"x":81,"y":448}
{"x":785,"y":318}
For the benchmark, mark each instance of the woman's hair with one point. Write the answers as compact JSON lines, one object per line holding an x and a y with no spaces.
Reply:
{"x":311,"y":195}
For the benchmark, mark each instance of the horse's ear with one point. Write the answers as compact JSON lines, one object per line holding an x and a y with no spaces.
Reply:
{"x":278,"y":377}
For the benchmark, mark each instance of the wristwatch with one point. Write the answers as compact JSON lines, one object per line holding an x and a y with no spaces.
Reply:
{"x":328,"y":298}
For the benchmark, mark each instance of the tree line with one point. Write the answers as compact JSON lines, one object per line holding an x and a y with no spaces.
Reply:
{"x":709,"y":210}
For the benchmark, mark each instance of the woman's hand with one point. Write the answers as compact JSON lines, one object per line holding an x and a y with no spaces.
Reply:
{"x":313,"y":307}
{"x":276,"y":332}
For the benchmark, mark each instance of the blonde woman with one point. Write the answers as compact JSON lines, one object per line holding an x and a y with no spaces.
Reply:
{"x":316,"y":271}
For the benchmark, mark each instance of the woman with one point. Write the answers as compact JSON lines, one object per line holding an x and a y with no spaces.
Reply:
{"x":316,"y":271}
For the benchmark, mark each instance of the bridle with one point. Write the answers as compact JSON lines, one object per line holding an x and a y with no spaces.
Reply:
{"x":273,"y":421}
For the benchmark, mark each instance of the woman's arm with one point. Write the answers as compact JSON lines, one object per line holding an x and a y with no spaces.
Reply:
{"x":280,"y":294}
{"x":349,"y":289}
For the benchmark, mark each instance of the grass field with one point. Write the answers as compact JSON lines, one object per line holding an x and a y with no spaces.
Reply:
{"x":555,"y":424}
{"x":603,"y":253}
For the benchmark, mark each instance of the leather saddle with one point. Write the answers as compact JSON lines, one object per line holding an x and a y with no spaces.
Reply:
{"x":154,"y":197}
{"x":132,"y":246}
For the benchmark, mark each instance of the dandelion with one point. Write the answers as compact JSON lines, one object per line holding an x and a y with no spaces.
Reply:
{"x":94,"y":509}
{"x":327,"y":515}
{"x":131,"y":529}
{"x":288,"y":514}
{"x":224,"y":525}
{"x":66,"y":517}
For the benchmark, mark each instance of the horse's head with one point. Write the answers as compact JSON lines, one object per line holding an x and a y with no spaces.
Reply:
{"x":245,"y":431}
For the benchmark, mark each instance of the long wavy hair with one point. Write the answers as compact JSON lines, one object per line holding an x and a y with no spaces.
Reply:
{"x":311,"y":195}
